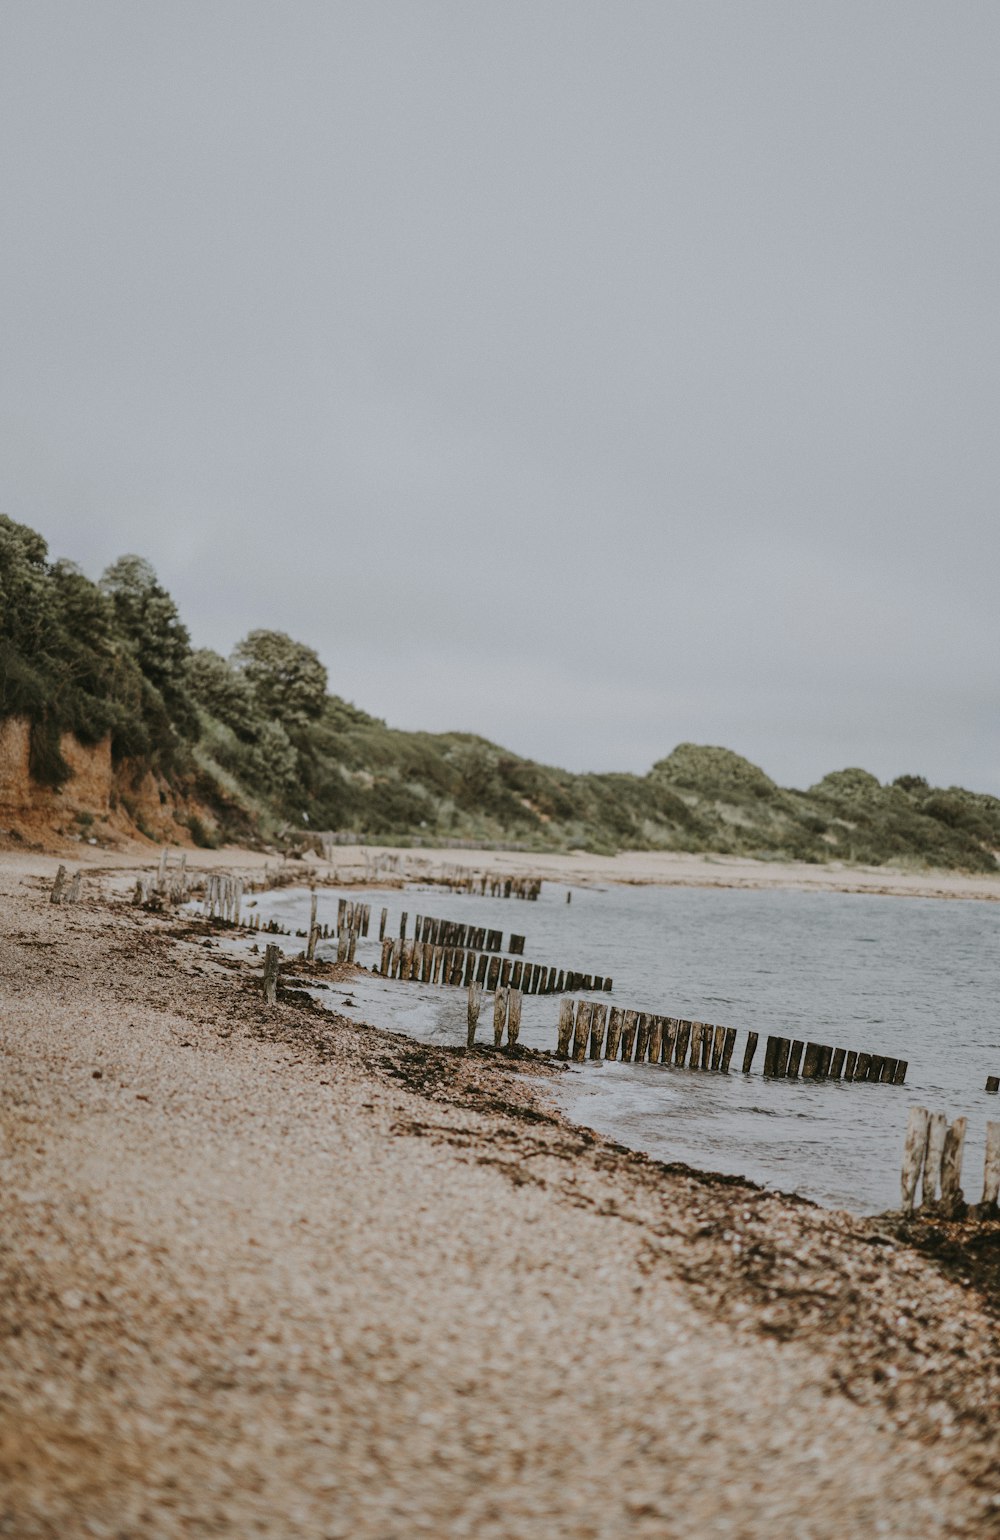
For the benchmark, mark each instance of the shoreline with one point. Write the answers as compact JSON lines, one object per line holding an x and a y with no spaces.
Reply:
{"x":352,"y":865}
{"x":265,"y":1263}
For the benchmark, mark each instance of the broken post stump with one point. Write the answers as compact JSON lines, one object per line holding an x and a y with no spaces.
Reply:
{"x":565,"y":1028}
{"x":272,"y":957}
{"x":475,"y":1001}
{"x":914,"y":1149}
{"x":951,"y":1166}
{"x":581,"y":1030}
{"x":514,"y":998}
{"x":499,"y":1016}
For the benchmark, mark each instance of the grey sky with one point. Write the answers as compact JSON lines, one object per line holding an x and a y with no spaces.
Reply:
{"x":589,"y":376}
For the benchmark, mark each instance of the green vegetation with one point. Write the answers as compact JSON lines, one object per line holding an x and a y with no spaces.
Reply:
{"x":258,"y":743}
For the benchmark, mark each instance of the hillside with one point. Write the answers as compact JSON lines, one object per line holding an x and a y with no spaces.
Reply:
{"x":189,"y":744}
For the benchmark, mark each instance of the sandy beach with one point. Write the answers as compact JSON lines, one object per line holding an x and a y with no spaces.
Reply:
{"x":269,"y":1271}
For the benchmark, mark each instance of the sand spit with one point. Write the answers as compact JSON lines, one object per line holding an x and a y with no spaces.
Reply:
{"x":270,"y":1272}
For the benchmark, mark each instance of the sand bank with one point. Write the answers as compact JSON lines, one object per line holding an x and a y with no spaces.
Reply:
{"x":272,"y":1272}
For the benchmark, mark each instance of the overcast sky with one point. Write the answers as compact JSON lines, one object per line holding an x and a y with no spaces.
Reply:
{"x":589,"y":376}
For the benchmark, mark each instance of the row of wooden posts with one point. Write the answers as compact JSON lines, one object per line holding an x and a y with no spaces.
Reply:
{"x":932,"y":1155}
{"x":430,"y":964}
{"x":461,"y":881}
{"x":783,"y":1057}
{"x":453,"y":933}
{"x":223,"y":896}
{"x":605,"y":1033}
{"x":641,"y":1036}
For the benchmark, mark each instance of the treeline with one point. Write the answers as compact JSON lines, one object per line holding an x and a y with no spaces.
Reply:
{"x":258,"y":742}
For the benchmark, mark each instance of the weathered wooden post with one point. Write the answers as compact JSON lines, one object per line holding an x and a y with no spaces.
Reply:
{"x":749,"y":1051}
{"x":272,"y":955}
{"x":499,"y":1016}
{"x":55,"y":897}
{"x":991,"y":1169}
{"x":992,"y":1085}
{"x":475,"y":1001}
{"x":597,"y":1016}
{"x":386,"y":955}
{"x":794,"y":1055}
{"x":582,"y":1029}
{"x":565,"y":1028}
{"x":669,"y":1039}
{"x":850,"y":1064}
{"x":642,"y":1036}
{"x":810,"y":1061}
{"x":614,"y":1032}
{"x":73,"y":891}
{"x":718,"y":1042}
{"x":402,"y":925}
{"x":629,"y":1023}
{"x":937,"y":1128}
{"x":311,"y":943}
{"x":951,"y":1167}
{"x":683,"y":1038}
{"x":514,"y":998}
{"x":382,"y":924}
{"x":914,"y":1149}
{"x":837,"y":1064}
{"x":655,"y":1037}
{"x":729,"y":1043}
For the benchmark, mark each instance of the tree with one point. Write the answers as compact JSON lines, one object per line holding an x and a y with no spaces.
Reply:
{"x":287,"y":678}
{"x":148,"y":618}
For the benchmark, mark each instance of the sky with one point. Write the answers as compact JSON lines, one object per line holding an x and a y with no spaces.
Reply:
{"x":593,"y":377}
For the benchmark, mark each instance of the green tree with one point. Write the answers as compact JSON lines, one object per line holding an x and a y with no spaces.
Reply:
{"x":287,"y":678}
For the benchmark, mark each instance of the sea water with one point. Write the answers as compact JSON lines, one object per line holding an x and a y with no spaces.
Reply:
{"x":908,"y":978}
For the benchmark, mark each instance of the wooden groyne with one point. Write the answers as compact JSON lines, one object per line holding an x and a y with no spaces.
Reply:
{"x":427,"y":963}
{"x":646,"y":1037}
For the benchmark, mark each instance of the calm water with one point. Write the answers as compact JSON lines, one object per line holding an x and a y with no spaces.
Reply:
{"x":911,"y":978}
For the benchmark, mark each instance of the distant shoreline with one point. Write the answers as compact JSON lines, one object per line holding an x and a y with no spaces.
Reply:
{"x":355,"y":864}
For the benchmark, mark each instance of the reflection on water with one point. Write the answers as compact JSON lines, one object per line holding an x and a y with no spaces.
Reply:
{"x":910,"y":978}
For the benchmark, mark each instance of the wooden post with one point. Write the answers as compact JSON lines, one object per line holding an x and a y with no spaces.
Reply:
{"x":397,"y":953}
{"x":402,"y":925}
{"x":794,"y":1055}
{"x":514,"y":998}
{"x":642,"y":1036}
{"x":937,"y":1128}
{"x":272,"y":955}
{"x":614,"y":1032}
{"x":729,"y":1043}
{"x":683,"y":1038}
{"x":565,"y":1028}
{"x":342,"y":949}
{"x":914,"y":1148}
{"x":991,"y":1170}
{"x":823,"y":1064}
{"x":850,"y":1064}
{"x":718,"y":1042}
{"x":863,"y":1066}
{"x":597,"y":1017}
{"x":73,"y":891}
{"x":669,"y":1039}
{"x":810,"y":1061}
{"x":992,"y":1086}
{"x":352,"y":942}
{"x":696,"y":1030}
{"x":475,"y":1001}
{"x":629,"y":1023}
{"x":655,"y":1039}
{"x":55,"y":897}
{"x":493,"y":975}
{"x":386,"y":955}
{"x":311,"y":943}
{"x":581,"y":1030}
{"x":749,"y":1051}
{"x":781,"y":1058}
{"x":837,"y":1064}
{"x":951,"y":1166}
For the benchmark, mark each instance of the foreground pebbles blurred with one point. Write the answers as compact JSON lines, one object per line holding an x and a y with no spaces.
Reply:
{"x":270,"y":1272}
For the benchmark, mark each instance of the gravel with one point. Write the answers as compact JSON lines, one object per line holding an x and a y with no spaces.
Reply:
{"x":270,"y":1272}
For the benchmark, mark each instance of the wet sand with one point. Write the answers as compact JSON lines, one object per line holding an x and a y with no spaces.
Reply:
{"x":272,"y":1272}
